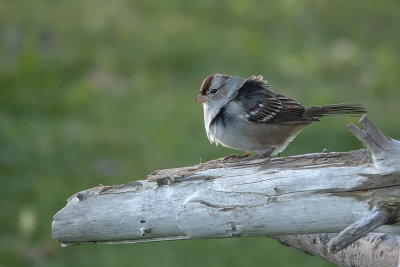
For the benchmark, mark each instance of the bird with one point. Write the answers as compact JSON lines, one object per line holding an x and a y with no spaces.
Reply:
{"x":247,"y":115}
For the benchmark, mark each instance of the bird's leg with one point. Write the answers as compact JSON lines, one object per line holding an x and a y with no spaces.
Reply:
{"x":235,"y":156}
{"x":268,"y":153}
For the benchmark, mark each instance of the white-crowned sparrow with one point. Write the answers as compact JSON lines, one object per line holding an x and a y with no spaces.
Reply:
{"x":246,"y":114}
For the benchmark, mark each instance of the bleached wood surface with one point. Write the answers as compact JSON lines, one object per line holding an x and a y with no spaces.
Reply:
{"x":375,"y":249}
{"x":307,"y":194}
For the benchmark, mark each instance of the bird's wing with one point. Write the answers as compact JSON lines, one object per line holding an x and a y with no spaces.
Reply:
{"x":265,"y":106}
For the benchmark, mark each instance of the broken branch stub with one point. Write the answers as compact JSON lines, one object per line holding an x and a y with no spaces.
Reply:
{"x":358,"y":229}
{"x":384,"y":150}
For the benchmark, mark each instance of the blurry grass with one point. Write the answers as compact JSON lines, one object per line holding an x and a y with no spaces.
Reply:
{"x":100,"y":92}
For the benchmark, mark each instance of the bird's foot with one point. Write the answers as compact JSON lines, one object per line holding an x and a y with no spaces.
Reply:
{"x":268,"y":154}
{"x":237,"y":157}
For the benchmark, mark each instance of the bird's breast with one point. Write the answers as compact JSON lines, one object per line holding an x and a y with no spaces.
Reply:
{"x":235,"y":132}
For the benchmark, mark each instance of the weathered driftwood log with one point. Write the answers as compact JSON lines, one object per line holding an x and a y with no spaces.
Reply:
{"x":348,"y":192}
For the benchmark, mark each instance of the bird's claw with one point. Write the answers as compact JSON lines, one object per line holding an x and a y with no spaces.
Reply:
{"x":237,"y":157}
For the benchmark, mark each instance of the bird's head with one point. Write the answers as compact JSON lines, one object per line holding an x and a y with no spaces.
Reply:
{"x":219,"y":88}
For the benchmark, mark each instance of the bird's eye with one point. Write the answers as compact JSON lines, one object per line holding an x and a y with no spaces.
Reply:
{"x":213,"y":91}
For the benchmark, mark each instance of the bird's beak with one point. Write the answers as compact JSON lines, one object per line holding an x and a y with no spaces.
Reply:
{"x":200,"y":99}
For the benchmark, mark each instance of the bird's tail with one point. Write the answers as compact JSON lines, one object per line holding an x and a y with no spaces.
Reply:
{"x":352,"y":110}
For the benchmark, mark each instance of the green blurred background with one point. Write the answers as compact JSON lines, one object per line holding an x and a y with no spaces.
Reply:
{"x":101,"y":92}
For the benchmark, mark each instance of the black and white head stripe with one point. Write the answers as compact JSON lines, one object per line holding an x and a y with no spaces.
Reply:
{"x":205,"y":85}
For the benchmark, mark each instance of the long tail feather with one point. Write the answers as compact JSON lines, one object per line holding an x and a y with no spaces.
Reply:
{"x":352,"y":110}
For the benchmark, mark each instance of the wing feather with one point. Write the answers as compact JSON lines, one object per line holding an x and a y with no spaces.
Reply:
{"x":265,"y":106}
